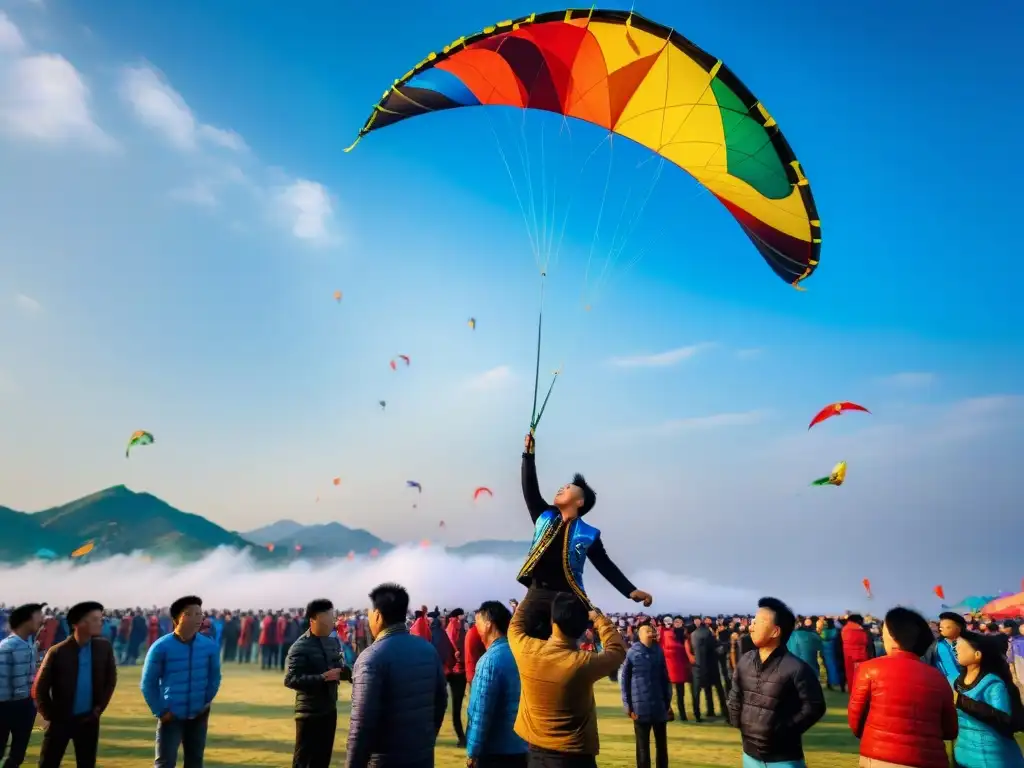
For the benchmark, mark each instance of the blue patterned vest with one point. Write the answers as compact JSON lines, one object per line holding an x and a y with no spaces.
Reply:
{"x":578,"y":540}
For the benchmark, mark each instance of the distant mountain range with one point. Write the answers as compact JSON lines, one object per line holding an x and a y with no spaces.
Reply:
{"x":118,"y":520}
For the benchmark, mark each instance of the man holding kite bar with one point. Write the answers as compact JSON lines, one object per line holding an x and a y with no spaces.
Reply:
{"x":562,"y":543}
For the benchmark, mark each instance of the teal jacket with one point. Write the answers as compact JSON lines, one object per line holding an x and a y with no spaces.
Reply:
{"x":806,"y":645}
{"x":986,"y":734}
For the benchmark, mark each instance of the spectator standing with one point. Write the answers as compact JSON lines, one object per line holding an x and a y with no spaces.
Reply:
{"x":900,"y":707}
{"x":268,"y":641}
{"x":474,"y":649}
{"x":674,"y":643}
{"x":647,"y":697}
{"x":988,"y":706}
{"x":707,"y":675}
{"x":314,"y":670}
{"x":943,"y":653}
{"x":455,"y":671}
{"x":290,"y":633}
{"x":17,"y":672}
{"x":180,"y":679}
{"x":73,"y":688}
{"x":775,"y":697}
{"x":858,"y":646}
{"x":494,"y":698}
{"x":557,"y":716}
{"x":399,"y":692}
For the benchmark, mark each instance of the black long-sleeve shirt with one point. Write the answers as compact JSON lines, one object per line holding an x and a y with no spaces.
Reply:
{"x":549,"y":572}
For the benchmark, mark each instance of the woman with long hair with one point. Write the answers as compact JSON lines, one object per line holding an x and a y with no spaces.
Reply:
{"x":988,"y":705}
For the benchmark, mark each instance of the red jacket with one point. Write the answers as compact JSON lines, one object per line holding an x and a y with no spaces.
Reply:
{"x":856,"y":642}
{"x":474,"y":649}
{"x":282,"y":627}
{"x":421,"y":628}
{"x":245,"y":636}
{"x":154,"y":629}
{"x":902,"y":711}
{"x":677,"y":655}
{"x":456,"y":631}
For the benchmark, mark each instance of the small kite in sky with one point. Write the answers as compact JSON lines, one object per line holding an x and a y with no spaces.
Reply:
{"x":383,"y":404}
{"x":84,"y":550}
{"x":837,"y":476}
{"x":472,"y":323}
{"x":867,"y":587}
{"x":138,"y":438}
{"x":940,"y":592}
{"x":337,"y":296}
{"x":336,"y":481}
{"x":480,"y":490}
{"x":835,"y":409}
{"x":414,"y":484}
{"x":394,"y":361}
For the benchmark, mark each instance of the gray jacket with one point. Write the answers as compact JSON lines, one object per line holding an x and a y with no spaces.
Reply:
{"x":399,"y":698}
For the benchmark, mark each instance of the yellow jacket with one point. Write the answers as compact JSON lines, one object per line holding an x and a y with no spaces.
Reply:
{"x":556,"y":702}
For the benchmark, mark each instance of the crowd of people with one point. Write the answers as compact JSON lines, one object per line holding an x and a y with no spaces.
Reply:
{"x":530,"y":670}
{"x":913,"y":686}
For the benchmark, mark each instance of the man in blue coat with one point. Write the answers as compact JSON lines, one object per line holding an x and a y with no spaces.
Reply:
{"x":491,"y":741}
{"x":647,"y":697}
{"x":180,"y":678}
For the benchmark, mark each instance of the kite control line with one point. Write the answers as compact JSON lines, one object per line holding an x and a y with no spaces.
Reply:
{"x":544,"y":404}
{"x":534,"y":418}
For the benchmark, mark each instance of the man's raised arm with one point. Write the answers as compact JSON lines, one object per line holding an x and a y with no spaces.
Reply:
{"x":598,"y":555}
{"x":531,"y":488}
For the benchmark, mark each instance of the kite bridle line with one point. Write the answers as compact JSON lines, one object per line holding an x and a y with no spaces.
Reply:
{"x":534,"y":418}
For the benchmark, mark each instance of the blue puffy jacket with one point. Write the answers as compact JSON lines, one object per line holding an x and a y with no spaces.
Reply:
{"x":181,"y":678}
{"x":399,"y":697}
{"x":986,"y":732}
{"x":494,"y":704}
{"x":644,"y":683}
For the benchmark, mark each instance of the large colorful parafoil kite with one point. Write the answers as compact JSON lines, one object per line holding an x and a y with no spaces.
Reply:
{"x":138,"y":438}
{"x":835,"y":409}
{"x":645,"y":82}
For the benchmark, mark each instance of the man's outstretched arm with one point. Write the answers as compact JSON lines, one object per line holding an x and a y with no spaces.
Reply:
{"x":531,"y":488}
{"x":598,"y":555}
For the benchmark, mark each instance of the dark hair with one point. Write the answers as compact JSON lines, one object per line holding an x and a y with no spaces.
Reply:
{"x":992,"y":627}
{"x":956,"y":618}
{"x":318,"y":606}
{"x":497,"y":614}
{"x":909,"y":629}
{"x":830,"y":622}
{"x":1009,"y":624}
{"x":79,"y":611}
{"x":855,"y":618}
{"x":589,"y":497}
{"x":993,"y":661}
{"x":784,"y":618}
{"x":569,"y":614}
{"x":392,"y":601}
{"x":178,"y":606}
{"x":23,"y":613}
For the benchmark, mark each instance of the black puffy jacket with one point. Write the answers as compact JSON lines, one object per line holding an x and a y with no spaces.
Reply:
{"x":773,"y":703}
{"x":308,"y":658}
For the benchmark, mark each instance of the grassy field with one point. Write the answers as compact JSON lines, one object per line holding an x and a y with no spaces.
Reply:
{"x":252,"y":725}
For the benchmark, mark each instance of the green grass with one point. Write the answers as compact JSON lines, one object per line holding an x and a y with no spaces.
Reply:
{"x":252,"y":724}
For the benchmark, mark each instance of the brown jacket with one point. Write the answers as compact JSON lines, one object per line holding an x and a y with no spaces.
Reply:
{"x":54,"y":689}
{"x":556,"y":702}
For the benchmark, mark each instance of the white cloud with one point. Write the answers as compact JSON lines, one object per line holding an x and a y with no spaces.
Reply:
{"x":307,"y":209}
{"x":11,"y":40}
{"x":491,"y":380}
{"x":200,"y":193}
{"x":44,"y":98}
{"x":27,"y":303}
{"x":749,"y":354}
{"x":661,"y":359}
{"x":910,"y":379}
{"x":223,"y":138}
{"x":162,"y":109}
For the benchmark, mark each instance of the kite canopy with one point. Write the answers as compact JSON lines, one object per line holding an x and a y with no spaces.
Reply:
{"x":139,"y":437}
{"x":645,"y":82}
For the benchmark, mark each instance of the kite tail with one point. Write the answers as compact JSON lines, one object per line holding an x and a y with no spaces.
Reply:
{"x":821,"y":481}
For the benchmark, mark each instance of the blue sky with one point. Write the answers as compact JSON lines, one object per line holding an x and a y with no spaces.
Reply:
{"x":176,"y":212}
